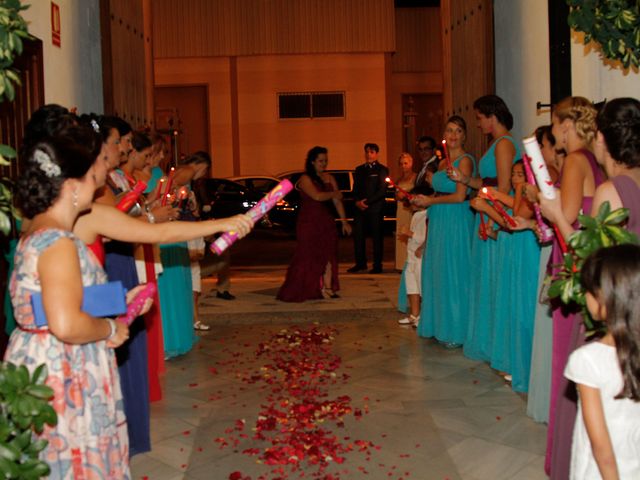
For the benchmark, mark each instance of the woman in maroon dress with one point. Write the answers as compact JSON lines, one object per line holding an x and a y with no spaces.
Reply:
{"x":313,"y":272}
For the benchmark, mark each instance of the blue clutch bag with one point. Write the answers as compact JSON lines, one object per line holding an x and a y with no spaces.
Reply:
{"x":104,"y":300}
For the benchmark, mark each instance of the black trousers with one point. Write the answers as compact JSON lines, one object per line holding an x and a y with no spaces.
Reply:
{"x":368,"y":222}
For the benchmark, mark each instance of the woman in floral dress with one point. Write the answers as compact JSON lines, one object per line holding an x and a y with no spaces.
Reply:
{"x":90,"y":438}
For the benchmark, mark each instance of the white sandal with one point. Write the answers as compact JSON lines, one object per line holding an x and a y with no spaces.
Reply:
{"x":202,"y":327}
{"x":410,"y":320}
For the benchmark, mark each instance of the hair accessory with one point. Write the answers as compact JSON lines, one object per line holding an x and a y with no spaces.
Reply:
{"x":95,"y":126}
{"x":43,"y":159}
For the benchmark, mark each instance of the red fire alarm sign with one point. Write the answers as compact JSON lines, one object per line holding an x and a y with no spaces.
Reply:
{"x":55,"y":24}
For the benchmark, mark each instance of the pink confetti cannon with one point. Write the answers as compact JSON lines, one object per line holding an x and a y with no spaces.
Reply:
{"x":539,"y":167}
{"x":135,"y":307}
{"x":543,"y":178}
{"x":546,"y":235}
{"x":256,"y":213}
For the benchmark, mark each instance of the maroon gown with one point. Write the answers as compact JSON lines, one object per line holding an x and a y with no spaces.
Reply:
{"x":568,"y":334}
{"x":317,"y":246}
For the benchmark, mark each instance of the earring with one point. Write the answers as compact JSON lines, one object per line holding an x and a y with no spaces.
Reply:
{"x":75,"y":198}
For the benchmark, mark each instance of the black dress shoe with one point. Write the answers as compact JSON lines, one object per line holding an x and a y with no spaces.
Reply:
{"x":225,"y":295}
{"x":356,"y":269}
{"x":375,"y":270}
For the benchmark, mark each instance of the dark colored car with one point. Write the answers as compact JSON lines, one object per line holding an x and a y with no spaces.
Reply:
{"x":259,"y":183}
{"x":285,"y":212}
{"x":219,"y":198}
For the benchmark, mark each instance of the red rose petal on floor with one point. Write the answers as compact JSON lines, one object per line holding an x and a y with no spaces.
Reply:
{"x":186,"y":432}
{"x":498,"y":418}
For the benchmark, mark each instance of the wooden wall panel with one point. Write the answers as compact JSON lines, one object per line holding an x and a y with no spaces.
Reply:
{"x":125,"y":51}
{"x":29,"y":96}
{"x":418,"y":40}
{"x":468,"y":63}
{"x":201,"y":28}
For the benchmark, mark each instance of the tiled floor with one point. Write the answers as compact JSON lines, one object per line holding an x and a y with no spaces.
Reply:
{"x":433,"y":413}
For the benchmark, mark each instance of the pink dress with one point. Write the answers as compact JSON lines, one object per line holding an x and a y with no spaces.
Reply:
{"x":317,"y":246}
{"x":90,"y":440}
{"x":568,"y":334}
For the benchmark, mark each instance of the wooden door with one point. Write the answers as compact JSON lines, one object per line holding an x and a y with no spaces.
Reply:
{"x":422,"y":116}
{"x":468,"y":63}
{"x":184,"y":109}
{"x":127,"y":67}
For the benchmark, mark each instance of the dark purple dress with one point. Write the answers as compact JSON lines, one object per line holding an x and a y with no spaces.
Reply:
{"x":317,"y":246}
{"x":629,"y":193}
{"x":568,"y":334}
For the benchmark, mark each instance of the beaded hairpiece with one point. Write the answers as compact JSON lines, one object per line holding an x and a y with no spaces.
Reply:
{"x":43,"y":159}
{"x":95,"y":126}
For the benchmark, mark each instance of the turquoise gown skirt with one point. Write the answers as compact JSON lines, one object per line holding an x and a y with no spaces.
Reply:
{"x":517,"y":283}
{"x":445,"y":273}
{"x":176,"y":299}
{"x":482,"y":282}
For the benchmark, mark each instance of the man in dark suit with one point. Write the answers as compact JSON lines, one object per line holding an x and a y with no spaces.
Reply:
{"x":429,"y":165}
{"x":369,"y":187}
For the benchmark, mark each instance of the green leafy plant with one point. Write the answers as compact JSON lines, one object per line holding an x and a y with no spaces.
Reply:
{"x":613,"y":24}
{"x":604,"y":230}
{"x":24,"y":409}
{"x":13,"y":28}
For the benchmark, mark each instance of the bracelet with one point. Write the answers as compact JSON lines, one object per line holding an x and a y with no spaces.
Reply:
{"x":112,"y":326}
{"x":151,"y":217}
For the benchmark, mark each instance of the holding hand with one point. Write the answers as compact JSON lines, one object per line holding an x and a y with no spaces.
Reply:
{"x":479,"y":204}
{"x":362,"y":204}
{"x":346,"y":228}
{"x":530,"y":192}
{"x":240,"y":224}
{"x":165,"y":213}
{"x":485,"y":196}
{"x":421,"y":200}
{"x":121,"y":335}
{"x":524,"y":224}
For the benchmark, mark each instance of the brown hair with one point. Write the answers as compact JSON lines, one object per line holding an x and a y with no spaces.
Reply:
{"x":612,"y":275}
{"x":582,"y":113}
{"x":459,"y":121}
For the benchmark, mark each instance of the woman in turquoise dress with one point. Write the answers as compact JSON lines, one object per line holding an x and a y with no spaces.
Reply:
{"x":494,"y":168}
{"x":445,"y":263}
{"x":518,"y":255}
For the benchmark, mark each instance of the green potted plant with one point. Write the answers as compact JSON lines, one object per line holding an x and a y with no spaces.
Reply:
{"x":13,"y":28}
{"x":604,"y":230}
{"x":24,"y":409}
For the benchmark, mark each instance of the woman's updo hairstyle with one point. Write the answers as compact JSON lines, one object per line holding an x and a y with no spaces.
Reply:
{"x":583,"y":115}
{"x":46,"y":122}
{"x":49,"y":163}
{"x":493,"y":105}
{"x":619,"y":122}
{"x":140,"y":141}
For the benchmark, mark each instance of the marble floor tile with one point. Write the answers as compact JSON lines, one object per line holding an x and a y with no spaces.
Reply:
{"x":433,"y":413}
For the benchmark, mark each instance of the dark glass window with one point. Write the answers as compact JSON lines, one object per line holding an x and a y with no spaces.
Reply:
{"x":327,"y":104}
{"x":311,"y":105}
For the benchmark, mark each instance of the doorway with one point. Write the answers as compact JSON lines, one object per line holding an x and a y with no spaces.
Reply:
{"x":185,"y":110}
{"x":423,"y":115}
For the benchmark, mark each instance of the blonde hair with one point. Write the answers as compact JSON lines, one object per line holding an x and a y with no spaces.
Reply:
{"x":583,"y":115}
{"x":403,"y":155}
